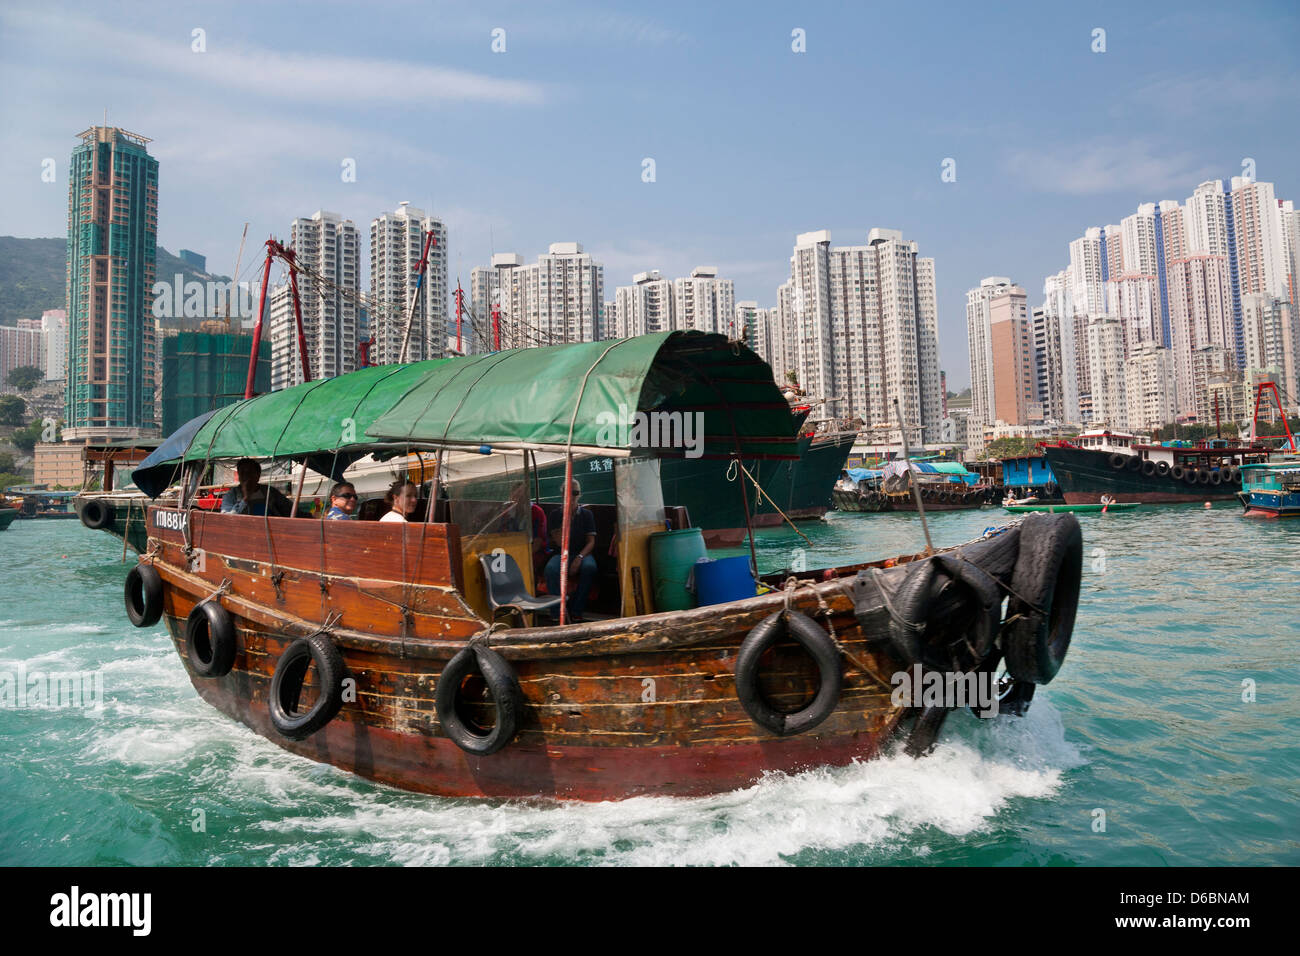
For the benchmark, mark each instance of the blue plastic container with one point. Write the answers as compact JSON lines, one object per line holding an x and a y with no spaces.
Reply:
{"x":726,"y":579}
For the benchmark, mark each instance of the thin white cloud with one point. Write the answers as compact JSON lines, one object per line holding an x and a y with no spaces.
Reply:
{"x":285,"y":77}
{"x":1105,"y":167}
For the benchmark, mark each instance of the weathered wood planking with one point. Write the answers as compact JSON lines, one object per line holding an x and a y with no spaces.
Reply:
{"x":612,"y":708}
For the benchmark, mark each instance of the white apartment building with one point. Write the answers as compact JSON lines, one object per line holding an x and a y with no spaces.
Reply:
{"x":645,"y":306}
{"x":330,"y":246}
{"x":557,"y":299}
{"x":1106,"y":360}
{"x":704,"y":302}
{"x":495,"y":302}
{"x":1272,"y":337}
{"x":54,"y":329}
{"x":861,"y":326}
{"x":396,"y":243}
{"x":1149,"y":387}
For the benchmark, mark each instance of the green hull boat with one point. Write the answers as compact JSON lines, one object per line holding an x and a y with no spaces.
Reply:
{"x":1115,"y":506}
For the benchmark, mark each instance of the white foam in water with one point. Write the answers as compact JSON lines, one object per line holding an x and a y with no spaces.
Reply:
{"x":957,"y":790}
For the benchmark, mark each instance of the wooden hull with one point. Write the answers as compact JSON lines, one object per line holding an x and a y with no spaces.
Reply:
{"x":877,"y":502}
{"x":612,"y":709}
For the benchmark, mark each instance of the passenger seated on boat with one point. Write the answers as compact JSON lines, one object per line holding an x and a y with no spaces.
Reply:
{"x":250,"y":497}
{"x":343,"y":502}
{"x":582,"y":542}
{"x":527,"y":515}
{"x":401,"y":500}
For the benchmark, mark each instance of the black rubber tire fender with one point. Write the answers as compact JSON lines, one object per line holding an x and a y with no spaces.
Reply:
{"x":1216,"y":477}
{"x":210,"y":640}
{"x":1230,"y":474}
{"x":909,"y":603}
{"x":1162,"y":468}
{"x":986,"y":591}
{"x":808,"y":634}
{"x":1148,"y":467}
{"x":925,"y":731}
{"x":1177,"y":472}
{"x":996,"y":554}
{"x":96,"y":514}
{"x":507,"y":699}
{"x":1203,"y":477}
{"x":287,"y":681}
{"x":1117,"y":461}
{"x":1133,"y":463}
{"x":1045,"y":596}
{"x":1191,"y":475}
{"x":143,"y":594}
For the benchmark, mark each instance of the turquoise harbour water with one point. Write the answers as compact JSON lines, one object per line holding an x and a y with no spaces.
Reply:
{"x":1145,"y":722}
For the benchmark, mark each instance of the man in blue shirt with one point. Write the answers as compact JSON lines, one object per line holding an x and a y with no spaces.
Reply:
{"x":343,"y":502}
{"x":250,"y":496}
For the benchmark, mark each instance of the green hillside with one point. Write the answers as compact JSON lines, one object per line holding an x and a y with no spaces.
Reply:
{"x":33,"y":273}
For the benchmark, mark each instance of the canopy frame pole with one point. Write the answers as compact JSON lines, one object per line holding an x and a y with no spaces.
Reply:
{"x":566,"y":524}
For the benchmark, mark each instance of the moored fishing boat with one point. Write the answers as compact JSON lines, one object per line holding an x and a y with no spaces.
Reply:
{"x":376,"y":645}
{"x":7,"y":516}
{"x":1127,"y":467}
{"x":1271,"y":490}
{"x":1073,"y":509}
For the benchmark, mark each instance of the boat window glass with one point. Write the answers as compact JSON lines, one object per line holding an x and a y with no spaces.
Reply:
{"x":487,"y":494}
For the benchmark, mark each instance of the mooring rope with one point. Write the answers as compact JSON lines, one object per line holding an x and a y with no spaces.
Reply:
{"x":731,"y":476}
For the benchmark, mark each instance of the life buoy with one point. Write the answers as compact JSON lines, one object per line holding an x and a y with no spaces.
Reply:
{"x":1044,"y":596}
{"x":96,"y":514}
{"x":507,"y":700}
{"x":773,"y":630}
{"x":1118,"y":461}
{"x":287,"y":683}
{"x":144,"y":595}
{"x":210,"y":640}
{"x":1148,"y":467}
{"x":1162,"y":468}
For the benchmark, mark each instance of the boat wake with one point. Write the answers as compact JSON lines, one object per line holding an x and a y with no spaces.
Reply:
{"x":891,"y":807}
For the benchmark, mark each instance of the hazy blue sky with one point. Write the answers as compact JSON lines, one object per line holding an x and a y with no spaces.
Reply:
{"x":752,"y":142}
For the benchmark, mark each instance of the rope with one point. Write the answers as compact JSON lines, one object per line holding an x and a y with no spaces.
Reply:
{"x":731,"y":476}
{"x":222,"y":588}
{"x":792,"y":585}
{"x":484,"y":636}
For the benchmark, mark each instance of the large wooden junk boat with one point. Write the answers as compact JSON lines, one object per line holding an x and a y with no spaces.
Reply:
{"x":385,"y":647}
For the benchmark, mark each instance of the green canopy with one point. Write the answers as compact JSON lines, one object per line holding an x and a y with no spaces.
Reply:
{"x":517,"y":398}
{"x":588,"y":394}
{"x":321,"y":422}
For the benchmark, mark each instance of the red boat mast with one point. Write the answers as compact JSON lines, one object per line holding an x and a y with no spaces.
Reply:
{"x":276,"y":249}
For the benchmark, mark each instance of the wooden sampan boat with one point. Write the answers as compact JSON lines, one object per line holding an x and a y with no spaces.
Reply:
{"x":372,"y":645}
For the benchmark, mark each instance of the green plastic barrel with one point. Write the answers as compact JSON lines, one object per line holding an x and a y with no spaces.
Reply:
{"x":672,"y":555}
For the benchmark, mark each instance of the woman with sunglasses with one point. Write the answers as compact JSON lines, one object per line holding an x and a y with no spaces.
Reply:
{"x":343,"y":502}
